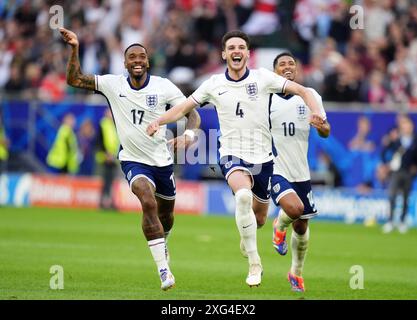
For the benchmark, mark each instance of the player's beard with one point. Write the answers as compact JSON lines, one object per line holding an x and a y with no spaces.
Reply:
{"x":140,"y":76}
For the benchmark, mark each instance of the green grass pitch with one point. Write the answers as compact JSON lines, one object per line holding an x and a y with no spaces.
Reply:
{"x":104,"y":256}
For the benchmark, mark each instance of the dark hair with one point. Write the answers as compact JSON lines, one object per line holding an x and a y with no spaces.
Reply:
{"x":283,"y":54}
{"x":134,"y":45}
{"x":235,"y":34}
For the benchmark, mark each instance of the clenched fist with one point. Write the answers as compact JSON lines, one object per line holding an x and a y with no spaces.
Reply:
{"x":69,"y":37}
{"x":152,"y":128}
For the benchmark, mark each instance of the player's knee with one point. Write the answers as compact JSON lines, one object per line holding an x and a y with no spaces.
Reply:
{"x":260,"y":221}
{"x":243,"y":199}
{"x":295,"y":210}
{"x":300,"y":227}
{"x":149,"y":204}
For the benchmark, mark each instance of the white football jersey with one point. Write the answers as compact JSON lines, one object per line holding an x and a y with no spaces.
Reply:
{"x":134,"y":109}
{"x":243,"y":110}
{"x":290,"y":130}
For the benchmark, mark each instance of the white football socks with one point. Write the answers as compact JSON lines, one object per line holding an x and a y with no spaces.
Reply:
{"x":299,"y":245}
{"x":246,"y":224}
{"x":157,"y":247}
{"x":283,"y":220}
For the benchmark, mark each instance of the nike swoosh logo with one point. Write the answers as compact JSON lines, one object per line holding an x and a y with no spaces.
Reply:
{"x":220,"y":93}
{"x":122,"y":95}
{"x":244,"y":227}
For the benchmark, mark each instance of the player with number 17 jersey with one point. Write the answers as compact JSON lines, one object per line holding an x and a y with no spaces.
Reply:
{"x":133,"y":109}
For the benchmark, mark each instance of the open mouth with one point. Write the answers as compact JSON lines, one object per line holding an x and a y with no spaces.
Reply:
{"x":287,"y":73}
{"x":236,"y":59}
{"x":138,"y":68}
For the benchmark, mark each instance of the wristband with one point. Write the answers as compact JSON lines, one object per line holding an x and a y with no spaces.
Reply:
{"x":189,"y":133}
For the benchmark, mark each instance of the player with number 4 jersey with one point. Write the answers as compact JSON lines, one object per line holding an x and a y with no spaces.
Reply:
{"x":136,"y":101}
{"x":290,"y":184}
{"x":241,"y":97}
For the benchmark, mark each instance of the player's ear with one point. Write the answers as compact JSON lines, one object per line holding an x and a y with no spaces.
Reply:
{"x":223,"y":55}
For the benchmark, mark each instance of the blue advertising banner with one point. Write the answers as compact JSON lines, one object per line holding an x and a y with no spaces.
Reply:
{"x":341,"y":204}
{"x":14,"y":189}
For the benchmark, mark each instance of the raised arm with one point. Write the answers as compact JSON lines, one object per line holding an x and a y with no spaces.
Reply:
{"x":75,"y":77}
{"x":308,"y":97}
{"x":172,"y":115}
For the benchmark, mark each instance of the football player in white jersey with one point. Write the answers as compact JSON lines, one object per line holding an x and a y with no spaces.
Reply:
{"x":241,"y":98}
{"x":290,"y":184}
{"x":136,"y":101}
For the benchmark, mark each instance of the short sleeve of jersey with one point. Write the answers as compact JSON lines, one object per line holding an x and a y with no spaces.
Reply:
{"x":274,"y":83}
{"x":174,"y":95}
{"x":104,"y":83}
{"x":202,"y":94}
{"x":320,"y":102}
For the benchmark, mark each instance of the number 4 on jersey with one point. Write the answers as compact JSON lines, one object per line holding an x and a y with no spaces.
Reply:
{"x":239,"y":111}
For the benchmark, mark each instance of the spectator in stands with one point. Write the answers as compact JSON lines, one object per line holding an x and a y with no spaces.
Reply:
{"x":106,"y":157}
{"x":4,"y":147}
{"x":174,"y":32}
{"x":264,"y":19}
{"x":86,"y":137}
{"x":361,"y":141}
{"x":342,"y":85}
{"x":362,"y":151}
{"x":374,"y":90}
{"x":400,"y":157}
{"x":63,"y":157}
{"x":15,"y":84}
{"x":399,"y":74}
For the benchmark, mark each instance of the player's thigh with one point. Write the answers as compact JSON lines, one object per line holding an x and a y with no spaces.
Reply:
{"x":143,"y":188}
{"x":239,"y":179}
{"x":292,"y":205}
{"x":261,"y":189}
{"x":165,"y":182}
{"x":261,"y":211}
{"x":284,"y":195}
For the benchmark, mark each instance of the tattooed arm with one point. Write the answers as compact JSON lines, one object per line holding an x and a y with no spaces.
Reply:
{"x":75,"y":77}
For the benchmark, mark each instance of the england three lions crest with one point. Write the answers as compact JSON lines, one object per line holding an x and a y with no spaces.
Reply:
{"x":252,"y":89}
{"x":152,"y":101}
{"x":302,"y":111}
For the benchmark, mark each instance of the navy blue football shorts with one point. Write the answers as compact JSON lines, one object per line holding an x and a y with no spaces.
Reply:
{"x":162,"y":178}
{"x":281,"y":186}
{"x":260,"y":175}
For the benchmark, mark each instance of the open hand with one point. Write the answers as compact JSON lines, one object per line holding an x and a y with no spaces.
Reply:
{"x":180,"y":142}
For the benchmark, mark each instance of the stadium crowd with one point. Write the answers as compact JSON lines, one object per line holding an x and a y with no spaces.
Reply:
{"x":373,"y":64}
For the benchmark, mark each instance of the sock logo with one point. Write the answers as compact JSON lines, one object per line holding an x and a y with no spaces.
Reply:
{"x":163,"y":274}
